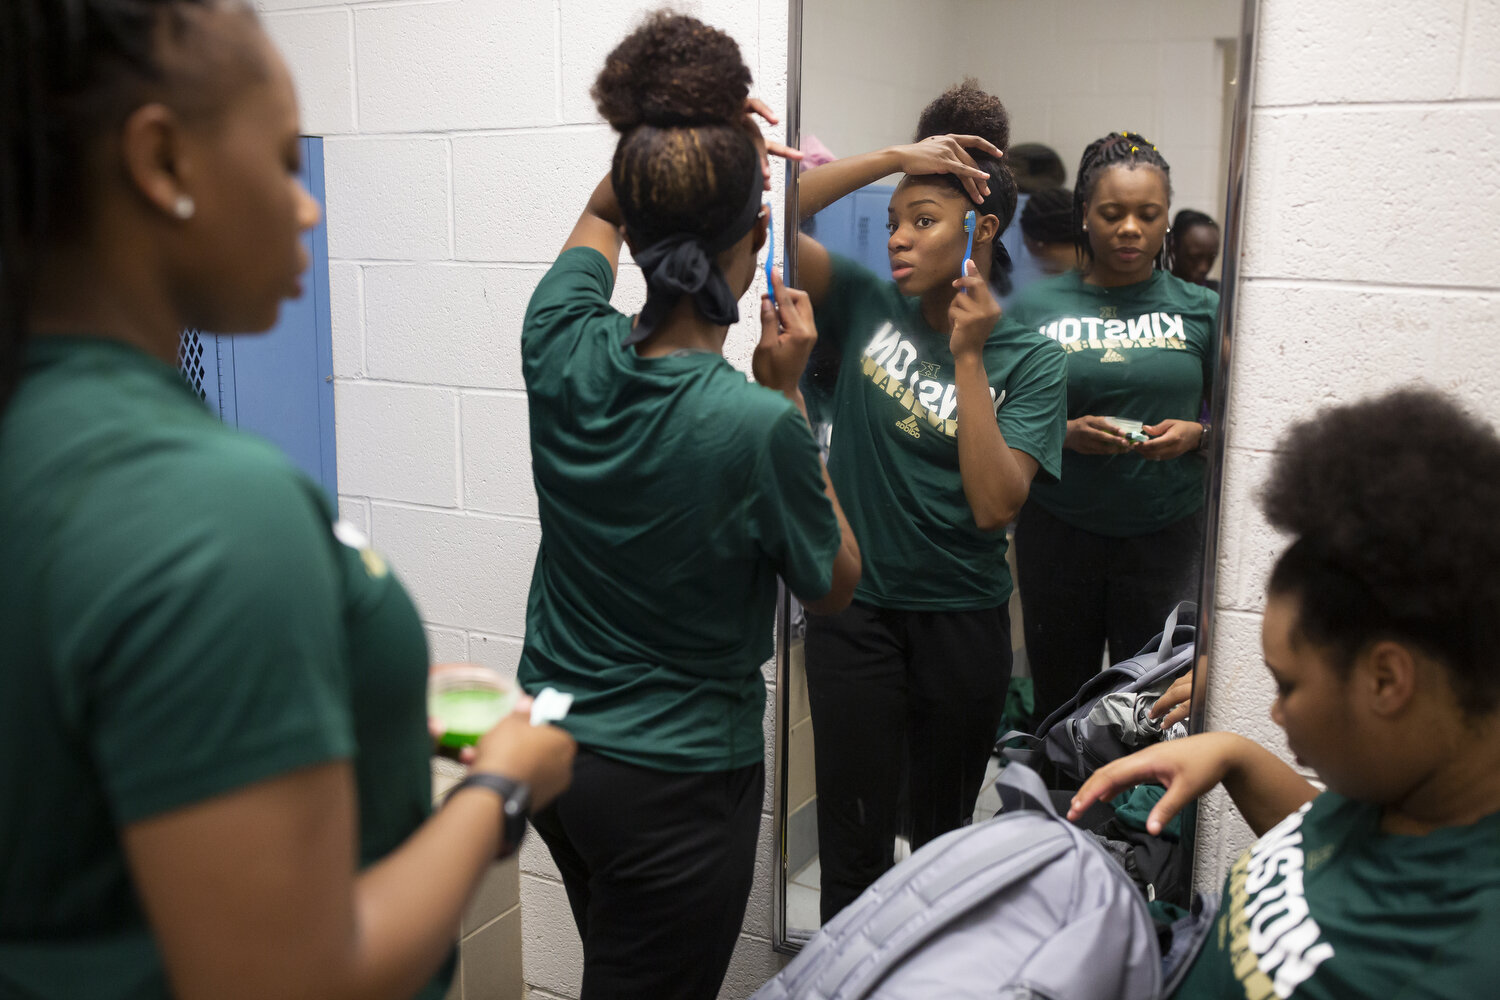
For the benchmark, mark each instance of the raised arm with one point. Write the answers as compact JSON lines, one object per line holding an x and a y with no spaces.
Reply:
{"x":1264,"y":788}
{"x":787,"y":337}
{"x":601,"y":226}
{"x":996,"y":477}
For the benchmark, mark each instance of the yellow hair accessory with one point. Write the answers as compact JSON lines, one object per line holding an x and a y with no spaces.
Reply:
{"x":1134,"y":148}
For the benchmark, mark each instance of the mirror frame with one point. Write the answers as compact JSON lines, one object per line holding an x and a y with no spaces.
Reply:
{"x":789,"y":941}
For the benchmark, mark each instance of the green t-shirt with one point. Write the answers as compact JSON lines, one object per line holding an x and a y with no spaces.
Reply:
{"x":177,"y":620}
{"x":893,"y":458}
{"x":671,"y":492}
{"x":1140,"y":352}
{"x":1327,"y":907}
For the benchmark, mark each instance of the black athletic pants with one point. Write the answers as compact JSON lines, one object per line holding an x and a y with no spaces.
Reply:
{"x":892,"y":693}
{"x":658,"y":867}
{"x":1081,"y":592}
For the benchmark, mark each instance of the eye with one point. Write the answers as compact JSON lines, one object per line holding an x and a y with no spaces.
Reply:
{"x":925,"y":221}
{"x":890,"y":229}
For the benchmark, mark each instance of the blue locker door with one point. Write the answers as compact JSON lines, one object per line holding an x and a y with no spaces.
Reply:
{"x":854,"y":227}
{"x":280,"y":384}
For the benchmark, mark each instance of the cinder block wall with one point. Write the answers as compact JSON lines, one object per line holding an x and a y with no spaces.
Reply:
{"x":1372,"y":259}
{"x":461,"y":144}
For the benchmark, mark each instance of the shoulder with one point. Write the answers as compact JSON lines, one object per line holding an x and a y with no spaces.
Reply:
{"x":578,"y":284}
{"x":1045,"y":298}
{"x":848,"y":276}
{"x":1188,"y":296}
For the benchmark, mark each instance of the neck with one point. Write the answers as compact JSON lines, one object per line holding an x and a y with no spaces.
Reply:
{"x":684,"y":329}
{"x":117,"y":295}
{"x":1461,"y":789}
{"x":1094,"y":275}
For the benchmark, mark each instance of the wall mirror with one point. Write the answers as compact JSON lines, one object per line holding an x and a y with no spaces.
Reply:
{"x":859,"y":74}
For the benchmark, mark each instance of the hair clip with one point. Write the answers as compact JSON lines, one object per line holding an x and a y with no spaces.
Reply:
{"x":1134,"y":148}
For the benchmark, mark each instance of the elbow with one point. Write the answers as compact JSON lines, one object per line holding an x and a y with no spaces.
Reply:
{"x":996,"y":518}
{"x":846,"y":574}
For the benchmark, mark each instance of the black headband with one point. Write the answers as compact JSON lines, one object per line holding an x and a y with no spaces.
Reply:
{"x":683,"y":264}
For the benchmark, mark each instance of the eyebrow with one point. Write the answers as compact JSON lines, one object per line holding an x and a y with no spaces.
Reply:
{"x":913,"y":204}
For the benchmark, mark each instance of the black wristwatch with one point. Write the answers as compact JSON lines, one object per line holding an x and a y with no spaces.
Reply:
{"x":516,"y":796}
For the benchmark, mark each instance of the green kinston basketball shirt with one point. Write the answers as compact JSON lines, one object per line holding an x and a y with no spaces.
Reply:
{"x":671,"y":492}
{"x":1327,"y":907}
{"x":893,"y":458}
{"x":1139,"y":352}
{"x":179,"y":618}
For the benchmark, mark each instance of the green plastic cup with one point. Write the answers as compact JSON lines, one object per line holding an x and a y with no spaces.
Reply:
{"x":467,"y":702}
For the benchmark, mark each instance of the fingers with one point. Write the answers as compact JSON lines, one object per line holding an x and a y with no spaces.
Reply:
{"x":1170,"y":804}
{"x":1176,"y":715}
{"x":784,"y":151}
{"x":754,"y":105}
{"x":981,"y":142}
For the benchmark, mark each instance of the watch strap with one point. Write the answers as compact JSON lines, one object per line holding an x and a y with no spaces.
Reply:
{"x":516,"y":796}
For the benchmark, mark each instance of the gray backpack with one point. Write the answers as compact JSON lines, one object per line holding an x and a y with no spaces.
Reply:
{"x":1024,"y":905}
{"x":1109,"y":716}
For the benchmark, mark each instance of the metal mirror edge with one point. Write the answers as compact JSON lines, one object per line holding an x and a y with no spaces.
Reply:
{"x":792,"y":117}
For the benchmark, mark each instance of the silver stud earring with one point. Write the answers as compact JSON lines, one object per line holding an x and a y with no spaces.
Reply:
{"x":184,"y":207}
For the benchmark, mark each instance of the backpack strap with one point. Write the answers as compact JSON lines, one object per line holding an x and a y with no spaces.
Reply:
{"x":1169,"y":631}
{"x":1028,"y":754}
{"x":1020,"y":788}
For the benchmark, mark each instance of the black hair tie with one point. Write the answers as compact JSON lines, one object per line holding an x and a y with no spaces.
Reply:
{"x":683,"y":264}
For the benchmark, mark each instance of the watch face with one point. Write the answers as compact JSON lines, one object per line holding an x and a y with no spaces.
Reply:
{"x":518,"y":802}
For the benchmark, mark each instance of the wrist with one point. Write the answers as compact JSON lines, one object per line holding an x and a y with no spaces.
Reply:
{"x":1205,"y":435}
{"x":515,"y":806}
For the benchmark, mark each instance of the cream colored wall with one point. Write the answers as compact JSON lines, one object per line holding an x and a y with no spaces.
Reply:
{"x":460,"y":146}
{"x":1067,"y":72}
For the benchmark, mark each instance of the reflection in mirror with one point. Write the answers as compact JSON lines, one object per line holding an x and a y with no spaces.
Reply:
{"x":1086,"y":366}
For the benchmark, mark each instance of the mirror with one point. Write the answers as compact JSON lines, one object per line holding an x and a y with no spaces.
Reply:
{"x":1068,"y":73}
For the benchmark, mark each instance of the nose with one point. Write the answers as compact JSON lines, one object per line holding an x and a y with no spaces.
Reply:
{"x":900,"y":240}
{"x":1130,"y":224}
{"x":308,"y":209}
{"x":1276,"y":716}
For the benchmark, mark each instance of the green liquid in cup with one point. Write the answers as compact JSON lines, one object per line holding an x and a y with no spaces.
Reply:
{"x":467,"y":714}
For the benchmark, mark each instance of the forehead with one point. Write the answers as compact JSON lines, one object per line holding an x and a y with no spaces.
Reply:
{"x":926,"y":193}
{"x":1201,"y":238}
{"x":1131,"y":183}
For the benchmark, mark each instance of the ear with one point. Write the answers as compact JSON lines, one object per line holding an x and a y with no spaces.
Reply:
{"x":988,"y":228}
{"x":1388,"y":674}
{"x":152,"y":148}
{"x":762,"y":224}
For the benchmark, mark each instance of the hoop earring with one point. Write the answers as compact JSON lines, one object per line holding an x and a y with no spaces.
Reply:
{"x":184,"y":207}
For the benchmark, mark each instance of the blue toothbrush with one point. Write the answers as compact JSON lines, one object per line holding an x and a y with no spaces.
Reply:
{"x":771,"y":250}
{"x":970,"y":221}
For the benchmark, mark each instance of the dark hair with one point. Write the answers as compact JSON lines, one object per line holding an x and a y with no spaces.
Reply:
{"x":675,"y":90}
{"x":1036,"y":167}
{"x":68,"y":73}
{"x":967,"y":110}
{"x":1392,"y":501}
{"x":1115,"y":149}
{"x":1048,"y":216}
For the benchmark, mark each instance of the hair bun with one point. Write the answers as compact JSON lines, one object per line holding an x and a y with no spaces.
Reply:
{"x":673,"y":70}
{"x":965,"y":109}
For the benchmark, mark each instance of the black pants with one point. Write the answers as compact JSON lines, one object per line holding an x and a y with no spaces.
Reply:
{"x":1082,"y":592}
{"x":658,"y":867}
{"x":893,"y":693}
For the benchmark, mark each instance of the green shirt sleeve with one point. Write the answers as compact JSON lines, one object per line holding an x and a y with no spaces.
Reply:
{"x":1033,"y":416}
{"x":201,"y":642}
{"x":791,"y":518}
{"x":848,"y":281}
{"x":575,"y":289}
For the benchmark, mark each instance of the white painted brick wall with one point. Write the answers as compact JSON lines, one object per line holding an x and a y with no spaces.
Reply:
{"x":462,"y":143}
{"x":1372,"y":260}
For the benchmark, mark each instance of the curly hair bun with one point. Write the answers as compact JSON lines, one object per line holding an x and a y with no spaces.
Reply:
{"x":965,"y":109}
{"x":673,"y":70}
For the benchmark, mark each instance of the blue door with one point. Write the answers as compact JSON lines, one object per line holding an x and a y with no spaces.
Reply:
{"x":280,"y":384}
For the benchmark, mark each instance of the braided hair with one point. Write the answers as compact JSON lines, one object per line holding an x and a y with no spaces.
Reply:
{"x":68,"y":72}
{"x":967,"y":110}
{"x":675,"y":90}
{"x":1048,"y":216}
{"x":1116,"y":149}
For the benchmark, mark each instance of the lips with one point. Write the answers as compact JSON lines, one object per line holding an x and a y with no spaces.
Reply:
{"x":900,"y":269}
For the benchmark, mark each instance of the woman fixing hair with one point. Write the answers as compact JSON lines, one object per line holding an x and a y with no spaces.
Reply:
{"x":214,"y":781}
{"x":672,"y":492}
{"x":1105,"y":553}
{"x":1381,"y":627}
{"x":940,"y":423}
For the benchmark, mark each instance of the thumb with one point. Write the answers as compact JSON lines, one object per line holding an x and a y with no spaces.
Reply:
{"x":769,"y":325}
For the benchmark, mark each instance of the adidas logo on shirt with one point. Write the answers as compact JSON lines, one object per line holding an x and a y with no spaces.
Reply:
{"x":910,"y":426}
{"x":1112,"y":355}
